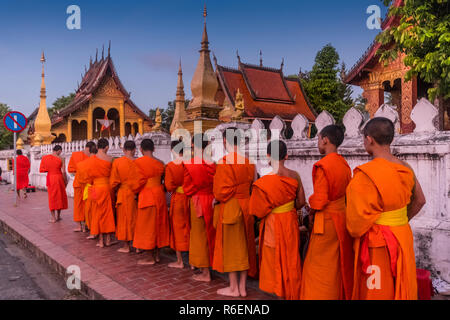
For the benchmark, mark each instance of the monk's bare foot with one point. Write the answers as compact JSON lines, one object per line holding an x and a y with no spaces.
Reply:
{"x":111,"y":243}
{"x":139,"y":251}
{"x":100,"y":244}
{"x":124,"y":250}
{"x":177,"y":265}
{"x":53,"y":221}
{"x":157,"y":259}
{"x":243,"y":291}
{"x":77,"y":230}
{"x":202,"y":277}
{"x":146,"y":262}
{"x":192,"y":267}
{"x":228,"y":292}
{"x":92,"y":237}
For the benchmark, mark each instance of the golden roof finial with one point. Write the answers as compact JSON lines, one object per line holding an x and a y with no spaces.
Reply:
{"x":205,"y":12}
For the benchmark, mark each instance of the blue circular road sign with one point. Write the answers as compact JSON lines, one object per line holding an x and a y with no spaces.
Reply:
{"x":15,"y":121}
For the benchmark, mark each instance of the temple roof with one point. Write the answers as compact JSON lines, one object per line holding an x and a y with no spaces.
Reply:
{"x":266,"y":92}
{"x":91,"y":81}
{"x":369,"y":59}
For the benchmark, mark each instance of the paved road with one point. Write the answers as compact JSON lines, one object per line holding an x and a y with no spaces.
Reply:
{"x":22,"y":277}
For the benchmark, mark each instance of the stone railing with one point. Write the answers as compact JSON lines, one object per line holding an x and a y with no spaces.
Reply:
{"x":427,"y":150}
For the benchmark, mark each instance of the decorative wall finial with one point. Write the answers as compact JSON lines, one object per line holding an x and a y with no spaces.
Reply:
{"x":103,"y":52}
{"x":282,"y":64}
{"x":96,"y":55}
{"x":109,"y":49}
{"x":238,"y":57}
{"x":260,"y":58}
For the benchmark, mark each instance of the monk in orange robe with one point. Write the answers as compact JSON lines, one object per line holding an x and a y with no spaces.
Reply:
{"x":53,"y":165}
{"x":122,"y":173}
{"x":235,"y":249}
{"x":382,"y":197}
{"x":275,"y":199}
{"x":99,"y":171}
{"x":152,"y":221}
{"x":179,"y":204}
{"x":328,"y":267}
{"x":78,"y":188}
{"x":198,"y":185}
{"x":23,"y":167}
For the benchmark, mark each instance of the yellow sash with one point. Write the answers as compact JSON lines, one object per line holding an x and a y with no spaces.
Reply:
{"x":86,"y":191}
{"x":180,"y":189}
{"x":284,"y":208}
{"x":394,"y":218}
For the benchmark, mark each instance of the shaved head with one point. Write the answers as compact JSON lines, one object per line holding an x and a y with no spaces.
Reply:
{"x":381,"y":130}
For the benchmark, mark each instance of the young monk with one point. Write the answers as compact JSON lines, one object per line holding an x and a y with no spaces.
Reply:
{"x":274,"y":199}
{"x":122,"y":173}
{"x":23,"y":167}
{"x":53,"y":165}
{"x":152,"y":221}
{"x":198,"y":185}
{"x":86,"y":182}
{"x":179,"y":204}
{"x":235,"y":249}
{"x":99,"y":171}
{"x":328,"y":267}
{"x":382,"y":197}
{"x":78,"y":188}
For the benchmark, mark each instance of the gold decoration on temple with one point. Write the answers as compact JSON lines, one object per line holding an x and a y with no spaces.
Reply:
{"x":180,"y":102}
{"x":158,"y":121}
{"x":20,"y":144}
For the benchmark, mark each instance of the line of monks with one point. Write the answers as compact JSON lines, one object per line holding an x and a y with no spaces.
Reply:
{"x":360,"y":244}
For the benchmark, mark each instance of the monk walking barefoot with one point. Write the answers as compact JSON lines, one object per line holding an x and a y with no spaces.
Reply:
{"x":78,"y":188}
{"x":53,"y":165}
{"x":198,"y":185}
{"x":383,"y":196}
{"x":122,"y":173}
{"x":235,"y":250}
{"x":152,"y":220}
{"x":179,"y":205}
{"x":23,"y":168}
{"x":328,"y":267}
{"x":275,"y":199}
{"x":99,"y":171}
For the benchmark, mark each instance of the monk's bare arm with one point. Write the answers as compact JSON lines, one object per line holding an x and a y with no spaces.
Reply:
{"x":417,"y":200}
{"x":301,"y":198}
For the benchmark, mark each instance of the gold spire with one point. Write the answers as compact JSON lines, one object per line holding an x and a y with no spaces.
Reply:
{"x":180,"y":112}
{"x":42,"y":124}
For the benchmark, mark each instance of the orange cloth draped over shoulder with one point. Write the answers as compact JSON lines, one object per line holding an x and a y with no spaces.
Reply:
{"x":198,"y":185}
{"x":179,"y":214}
{"x":279,"y":241}
{"x":152,"y":220}
{"x":377,"y":200}
{"x":235,"y":248}
{"x":85,"y":180}
{"x":23,"y":166}
{"x":328,"y":267}
{"x":78,"y":188}
{"x":122,"y":172}
{"x":102,"y":220}
{"x":56,"y":188}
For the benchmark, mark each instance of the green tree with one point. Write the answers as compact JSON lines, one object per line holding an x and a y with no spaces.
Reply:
{"x":325,"y":90}
{"x":360,"y":104}
{"x":60,"y":104}
{"x":423,"y":34}
{"x":6,"y":136}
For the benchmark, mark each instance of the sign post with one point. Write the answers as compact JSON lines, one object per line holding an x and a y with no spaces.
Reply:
{"x":15,"y":122}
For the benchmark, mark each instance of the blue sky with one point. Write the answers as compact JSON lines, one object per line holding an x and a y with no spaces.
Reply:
{"x":149,"y":37}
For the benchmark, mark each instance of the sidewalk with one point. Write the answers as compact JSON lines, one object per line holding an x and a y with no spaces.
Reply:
{"x":105,"y":273}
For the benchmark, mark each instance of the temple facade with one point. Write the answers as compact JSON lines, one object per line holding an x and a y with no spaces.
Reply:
{"x":240,"y":94}
{"x":100,"y":99}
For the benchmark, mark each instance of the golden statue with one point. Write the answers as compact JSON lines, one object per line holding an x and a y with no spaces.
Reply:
{"x":230,"y":113}
{"x":158,"y":121}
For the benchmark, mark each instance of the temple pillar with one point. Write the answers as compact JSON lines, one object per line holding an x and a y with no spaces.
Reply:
{"x":90,"y":119}
{"x":122,"y":118}
{"x":141,"y":126}
{"x":375,"y":98}
{"x":133,"y":131}
{"x":69,"y":129}
{"x":396,"y":98}
{"x":409,"y":100}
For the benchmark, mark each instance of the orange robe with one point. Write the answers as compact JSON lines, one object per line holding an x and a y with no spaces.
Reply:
{"x":122,"y":173}
{"x":198,"y":185}
{"x":78,"y":188}
{"x":85,"y":180}
{"x":279,"y":240}
{"x":385,"y":266}
{"x":56,"y":188}
{"x":179,"y":207}
{"x":102,"y":220}
{"x":152,"y":221}
{"x":328,"y":267}
{"x":23,"y":166}
{"x":235,"y":248}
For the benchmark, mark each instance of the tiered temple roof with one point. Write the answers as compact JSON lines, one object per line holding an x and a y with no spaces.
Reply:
{"x":266,"y":92}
